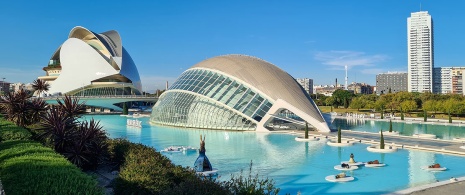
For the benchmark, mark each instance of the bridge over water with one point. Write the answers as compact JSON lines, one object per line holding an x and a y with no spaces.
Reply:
{"x":106,"y":101}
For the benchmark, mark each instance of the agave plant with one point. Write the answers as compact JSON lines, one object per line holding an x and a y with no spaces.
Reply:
{"x":16,"y":107}
{"x":89,"y":147}
{"x":58,"y":129}
{"x":71,"y":106}
{"x":37,"y":108}
{"x":40,"y":86}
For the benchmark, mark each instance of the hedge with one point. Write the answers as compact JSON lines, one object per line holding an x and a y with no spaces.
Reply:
{"x":9,"y":131}
{"x":146,"y":171}
{"x":27,"y":167}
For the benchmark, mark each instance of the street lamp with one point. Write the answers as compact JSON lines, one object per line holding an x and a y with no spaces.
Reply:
{"x":3,"y":85}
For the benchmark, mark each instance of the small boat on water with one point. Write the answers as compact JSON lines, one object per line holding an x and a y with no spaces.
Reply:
{"x":172,"y":149}
{"x":176,"y":149}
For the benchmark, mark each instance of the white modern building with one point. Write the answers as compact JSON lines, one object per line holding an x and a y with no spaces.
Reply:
{"x":236,"y":92}
{"x":92,"y":64}
{"x":420,"y":52}
{"x":307,"y":84}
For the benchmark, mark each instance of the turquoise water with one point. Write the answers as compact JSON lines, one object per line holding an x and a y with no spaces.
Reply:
{"x":294,"y":166}
{"x":441,"y":131}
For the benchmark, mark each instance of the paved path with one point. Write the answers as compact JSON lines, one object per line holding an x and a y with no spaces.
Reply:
{"x":457,"y":188}
{"x":437,"y":145}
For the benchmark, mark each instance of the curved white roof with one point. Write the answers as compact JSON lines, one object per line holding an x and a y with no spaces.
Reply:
{"x":87,"y":57}
{"x":268,"y":79}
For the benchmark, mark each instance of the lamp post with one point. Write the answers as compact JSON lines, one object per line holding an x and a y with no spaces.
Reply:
{"x":3,"y":85}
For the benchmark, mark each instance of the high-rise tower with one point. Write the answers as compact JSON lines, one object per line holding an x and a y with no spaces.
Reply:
{"x":420,"y":52}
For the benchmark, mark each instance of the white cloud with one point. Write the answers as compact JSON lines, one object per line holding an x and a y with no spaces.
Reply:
{"x":338,"y":59}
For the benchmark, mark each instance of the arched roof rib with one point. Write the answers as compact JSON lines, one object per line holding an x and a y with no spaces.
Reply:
{"x":266,"y":77}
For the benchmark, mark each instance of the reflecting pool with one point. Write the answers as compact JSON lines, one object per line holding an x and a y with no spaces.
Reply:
{"x":441,"y":130}
{"x":294,"y":166}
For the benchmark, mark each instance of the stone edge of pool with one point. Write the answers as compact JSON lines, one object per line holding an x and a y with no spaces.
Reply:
{"x":440,"y":184}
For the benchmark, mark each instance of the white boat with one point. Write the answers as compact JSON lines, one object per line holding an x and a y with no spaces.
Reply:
{"x":134,"y":123}
{"x":332,"y":178}
{"x":172,"y":149}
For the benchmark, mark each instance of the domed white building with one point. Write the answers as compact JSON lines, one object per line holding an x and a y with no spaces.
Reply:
{"x":92,"y":64}
{"x":235,"y":92}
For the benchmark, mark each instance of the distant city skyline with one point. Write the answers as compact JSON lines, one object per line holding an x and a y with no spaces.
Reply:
{"x":311,"y":39}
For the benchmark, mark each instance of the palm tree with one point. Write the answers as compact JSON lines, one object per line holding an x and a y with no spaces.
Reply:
{"x":40,"y":86}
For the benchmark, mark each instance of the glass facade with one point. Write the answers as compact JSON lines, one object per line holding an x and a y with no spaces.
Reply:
{"x":107,"y":91}
{"x":184,"y":109}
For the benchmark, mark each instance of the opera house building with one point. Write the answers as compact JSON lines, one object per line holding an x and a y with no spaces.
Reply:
{"x":92,"y":64}
{"x":236,"y":92}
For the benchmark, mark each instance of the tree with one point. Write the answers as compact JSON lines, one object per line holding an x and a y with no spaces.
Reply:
{"x":330,"y":101}
{"x":381,"y":142}
{"x":357,"y":103}
{"x":342,"y":97}
{"x":389,"y":90}
{"x":338,"y":134}
{"x":425,"y":116}
{"x":125,"y":108}
{"x":430,"y":105}
{"x":450,"y":118}
{"x":40,"y":86}
{"x":306,"y":130}
{"x":390,"y":126}
{"x":408,"y":105}
{"x":401,"y":114}
{"x":382,"y":114}
{"x":380,"y":104}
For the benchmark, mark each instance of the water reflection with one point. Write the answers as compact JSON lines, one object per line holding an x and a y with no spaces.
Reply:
{"x":417,"y":159}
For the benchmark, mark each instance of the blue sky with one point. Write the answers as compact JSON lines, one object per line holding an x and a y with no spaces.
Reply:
{"x":312,"y":39}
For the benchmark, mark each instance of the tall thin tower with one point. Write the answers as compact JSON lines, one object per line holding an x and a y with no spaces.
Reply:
{"x":420,"y":52}
{"x":346,"y":77}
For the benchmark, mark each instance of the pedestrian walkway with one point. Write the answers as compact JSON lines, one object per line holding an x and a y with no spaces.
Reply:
{"x":400,"y":141}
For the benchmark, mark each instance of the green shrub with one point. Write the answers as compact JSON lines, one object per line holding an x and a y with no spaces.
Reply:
{"x":27,"y":167}
{"x":117,"y":149}
{"x":145,"y":171}
{"x":251,"y":184}
{"x":9,"y":131}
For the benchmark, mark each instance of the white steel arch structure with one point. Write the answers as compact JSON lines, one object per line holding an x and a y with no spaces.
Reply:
{"x":235,"y":92}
